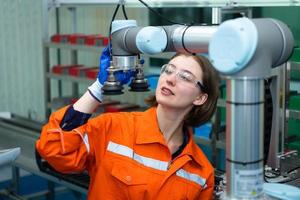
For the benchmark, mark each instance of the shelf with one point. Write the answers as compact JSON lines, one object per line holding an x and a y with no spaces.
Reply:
{"x":187,"y":3}
{"x":74,"y":47}
{"x":69,"y":78}
{"x":164,"y":55}
{"x":295,"y":66}
{"x":293,"y":114}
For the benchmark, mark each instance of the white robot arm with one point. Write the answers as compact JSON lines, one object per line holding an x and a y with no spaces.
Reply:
{"x":240,"y":46}
{"x":244,"y":50}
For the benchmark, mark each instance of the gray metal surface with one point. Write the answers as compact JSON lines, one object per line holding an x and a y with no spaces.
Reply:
{"x":8,"y":155}
{"x":125,"y":62}
{"x":14,"y":136}
{"x":277,"y":89}
{"x":244,"y":136}
{"x":194,"y":38}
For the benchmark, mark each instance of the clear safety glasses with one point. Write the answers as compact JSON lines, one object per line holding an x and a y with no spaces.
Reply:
{"x":184,"y":76}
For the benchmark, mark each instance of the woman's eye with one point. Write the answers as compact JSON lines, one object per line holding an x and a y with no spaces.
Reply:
{"x":185,"y":77}
{"x":168,"y":71}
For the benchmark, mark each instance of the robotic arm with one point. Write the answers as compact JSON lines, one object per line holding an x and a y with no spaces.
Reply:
{"x":128,"y":41}
{"x":244,"y":50}
{"x":233,"y":47}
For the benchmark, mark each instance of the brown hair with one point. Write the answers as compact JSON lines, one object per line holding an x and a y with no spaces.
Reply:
{"x":202,"y":113}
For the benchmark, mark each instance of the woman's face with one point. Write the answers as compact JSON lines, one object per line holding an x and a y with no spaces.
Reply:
{"x":174,"y":91}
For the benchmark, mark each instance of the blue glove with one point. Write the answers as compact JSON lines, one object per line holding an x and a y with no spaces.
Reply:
{"x":121,"y":76}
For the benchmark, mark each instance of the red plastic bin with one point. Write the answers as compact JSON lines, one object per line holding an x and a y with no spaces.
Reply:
{"x":63,"y":69}
{"x":92,"y":73}
{"x":81,"y":71}
{"x":96,"y":40}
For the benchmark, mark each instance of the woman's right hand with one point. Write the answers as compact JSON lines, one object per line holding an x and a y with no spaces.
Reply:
{"x":121,"y":76}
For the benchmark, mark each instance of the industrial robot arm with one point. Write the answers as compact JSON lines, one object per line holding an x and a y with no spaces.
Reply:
{"x":233,"y":46}
{"x":244,"y":50}
{"x":128,"y":41}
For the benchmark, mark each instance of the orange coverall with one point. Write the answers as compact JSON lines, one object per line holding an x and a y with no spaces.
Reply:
{"x":127,"y":158}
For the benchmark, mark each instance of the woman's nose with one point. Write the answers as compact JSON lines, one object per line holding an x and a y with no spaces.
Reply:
{"x":171,"y":78}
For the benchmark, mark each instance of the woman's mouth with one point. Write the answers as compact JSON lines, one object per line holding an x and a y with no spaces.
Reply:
{"x":166,"y":91}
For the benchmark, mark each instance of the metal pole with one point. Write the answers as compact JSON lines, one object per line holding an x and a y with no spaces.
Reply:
{"x":74,"y":53}
{"x":51,"y":191}
{"x":244,"y":138}
{"x":15,"y":179}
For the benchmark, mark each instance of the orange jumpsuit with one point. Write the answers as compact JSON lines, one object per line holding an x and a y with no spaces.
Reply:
{"x":127,"y":158}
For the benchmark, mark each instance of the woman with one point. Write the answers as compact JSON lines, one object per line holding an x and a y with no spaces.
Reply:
{"x":140,"y":155}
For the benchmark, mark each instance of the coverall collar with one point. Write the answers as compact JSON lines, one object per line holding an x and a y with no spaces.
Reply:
{"x":152,"y":134}
{"x":150,"y":129}
{"x":192,"y":149}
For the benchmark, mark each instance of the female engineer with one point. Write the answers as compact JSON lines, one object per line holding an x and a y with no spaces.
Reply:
{"x":139,"y":155}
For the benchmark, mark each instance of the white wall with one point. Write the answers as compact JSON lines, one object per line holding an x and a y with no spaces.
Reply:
{"x":21,"y":91}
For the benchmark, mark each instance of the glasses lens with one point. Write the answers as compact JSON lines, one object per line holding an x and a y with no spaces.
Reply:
{"x":185,"y":76}
{"x":168,"y":69}
{"x":163,"y":69}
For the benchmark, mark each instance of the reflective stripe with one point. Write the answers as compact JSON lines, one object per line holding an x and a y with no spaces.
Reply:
{"x":86,"y":142}
{"x":120,"y":149}
{"x":192,"y":177}
{"x":128,"y":152}
{"x":85,"y":139}
{"x":153,"y":163}
{"x":150,"y":162}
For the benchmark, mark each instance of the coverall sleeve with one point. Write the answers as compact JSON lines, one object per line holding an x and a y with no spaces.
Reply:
{"x":68,"y":151}
{"x":207,"y":193}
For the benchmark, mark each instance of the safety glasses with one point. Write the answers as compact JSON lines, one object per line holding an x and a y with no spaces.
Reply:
{"x":182,"y":75}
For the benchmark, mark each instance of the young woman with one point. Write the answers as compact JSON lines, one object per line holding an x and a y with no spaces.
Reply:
{"x":140,"y":155}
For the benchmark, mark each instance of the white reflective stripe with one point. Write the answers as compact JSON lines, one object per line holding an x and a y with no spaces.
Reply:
{"x":84,"y":138}
{"x":120,"y":149}
{"x":86,"y":142}
{"x":128,"y":152}
{"x":192,"y":177}
{"x":150,"y":162}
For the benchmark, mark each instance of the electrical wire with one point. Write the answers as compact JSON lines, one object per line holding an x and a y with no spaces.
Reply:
{"x":124,"y":11}
{"x":110,"y":27}
{"x":126,"y":17}
{"x":163,"y":17}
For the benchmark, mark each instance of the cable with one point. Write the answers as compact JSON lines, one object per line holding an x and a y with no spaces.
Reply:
{"x":110,"y":26}
{"x":163,"y":17}
{"x":124,"y":11}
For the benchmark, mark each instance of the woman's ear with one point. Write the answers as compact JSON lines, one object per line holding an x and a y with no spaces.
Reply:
{"x":201,"y":99}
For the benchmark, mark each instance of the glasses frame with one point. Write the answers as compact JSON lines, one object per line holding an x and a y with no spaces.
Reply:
{"x":197,"y":82}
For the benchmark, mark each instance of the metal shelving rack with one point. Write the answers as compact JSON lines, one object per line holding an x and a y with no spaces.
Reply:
{"x":176,"y":3}
{"x":292,"y":114}
{"x":219,"y":7}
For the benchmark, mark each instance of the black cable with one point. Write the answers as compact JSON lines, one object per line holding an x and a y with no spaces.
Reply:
{"x":161,"y":16}
{"x":244,"y":162}
{"x":124,"y":11}
{"x":110,"y":26}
